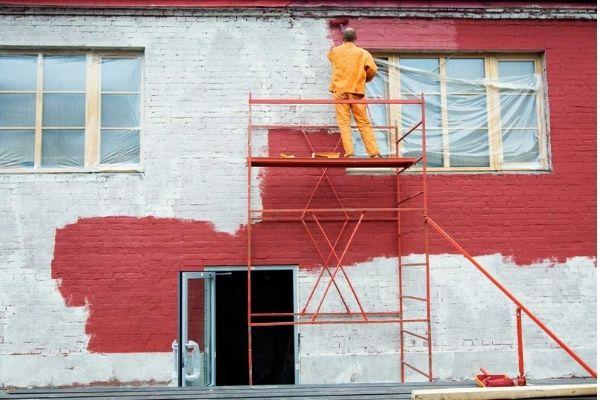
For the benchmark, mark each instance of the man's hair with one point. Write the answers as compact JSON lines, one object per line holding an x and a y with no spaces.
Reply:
{"x":349,"y":35}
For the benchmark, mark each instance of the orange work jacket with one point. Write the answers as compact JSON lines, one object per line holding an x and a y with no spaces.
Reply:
{"x":352,"y":68}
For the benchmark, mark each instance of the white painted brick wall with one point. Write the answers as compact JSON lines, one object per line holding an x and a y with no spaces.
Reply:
{"x":197,"y":73}
{"x":473,"y":324}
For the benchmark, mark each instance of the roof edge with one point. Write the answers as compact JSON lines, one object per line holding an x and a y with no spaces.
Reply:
{"x":268,"y":9}
{"x":306,"y":4}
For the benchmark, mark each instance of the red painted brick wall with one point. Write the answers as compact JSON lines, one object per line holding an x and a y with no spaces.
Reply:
{"x":528,"y":216}
{"x":126,"y":268}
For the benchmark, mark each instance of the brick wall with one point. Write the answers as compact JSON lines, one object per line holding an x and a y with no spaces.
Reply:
{"x":537,"y":209}
{"x":88,"y":262}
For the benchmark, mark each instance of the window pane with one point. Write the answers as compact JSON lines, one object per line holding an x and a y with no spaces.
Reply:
{"x":383,"y":143}
{"x":63,"y":148}
{"x":120,"y":75}
{"x":468,"y":112}
{"x":63,"y":109}
{"x":465,"y":68}
{"x":64,"y":73}
{"x":465,"y":76}
{"x":17,"y":148}
{"x":411,"y":113}
{"x":120,"y":146}
{"x":17,"y":110}
{"x":18,"y":72}
{"x":120,"y":110}
{"x":377,"y":89}
{"x":430,"y":65}
{"x":411,"y":147}
{"x":458,"y":86}
{"x":518,"y":111}
{"x":520,"y":146}
{"x":515,"y":68}
{"x":422,"y":75}
{"x":469,"y":148}
{"x":378,"y":114}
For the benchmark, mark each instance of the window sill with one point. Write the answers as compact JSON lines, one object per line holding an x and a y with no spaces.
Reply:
{"x":21,"y":171}
{"x":448,"y":171}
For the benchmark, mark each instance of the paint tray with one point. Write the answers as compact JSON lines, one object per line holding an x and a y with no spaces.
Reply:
{"x":485,"y":379}
{"x":326,"y":154}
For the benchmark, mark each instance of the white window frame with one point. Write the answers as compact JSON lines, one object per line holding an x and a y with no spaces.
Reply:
{"x":92,"y":112}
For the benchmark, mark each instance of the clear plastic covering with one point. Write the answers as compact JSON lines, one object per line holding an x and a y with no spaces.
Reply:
{"x":63,"y":111}
{"x":471,"y":120}
{"x":120,"y":118}
{"x":63,"y":107}
{"x":17,"y":111}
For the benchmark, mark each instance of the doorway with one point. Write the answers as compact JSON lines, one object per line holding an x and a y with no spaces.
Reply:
{"x":224,"y":312}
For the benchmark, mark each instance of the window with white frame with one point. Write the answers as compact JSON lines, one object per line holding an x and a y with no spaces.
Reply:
{"x":75,"y":111}
{"x":483,"y":112}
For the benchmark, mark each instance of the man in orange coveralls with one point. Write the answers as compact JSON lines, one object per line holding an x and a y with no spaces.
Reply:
{"x":352,"y":68}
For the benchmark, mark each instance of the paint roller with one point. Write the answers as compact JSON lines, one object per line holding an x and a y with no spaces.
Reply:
{"x":342,"y":23}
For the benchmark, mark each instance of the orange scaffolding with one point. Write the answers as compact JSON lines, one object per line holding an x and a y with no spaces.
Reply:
{"x":353,"y":218}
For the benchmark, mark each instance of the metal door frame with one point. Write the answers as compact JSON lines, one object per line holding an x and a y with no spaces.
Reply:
{"x":182,"y":321}
{"x":294,"y":269}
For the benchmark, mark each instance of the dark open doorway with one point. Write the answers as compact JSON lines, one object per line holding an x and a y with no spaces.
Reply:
{"x":272,"y":347}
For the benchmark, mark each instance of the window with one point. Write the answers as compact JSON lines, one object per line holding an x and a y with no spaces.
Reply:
{"x":484,"y":112}
{"x":65,"y":112}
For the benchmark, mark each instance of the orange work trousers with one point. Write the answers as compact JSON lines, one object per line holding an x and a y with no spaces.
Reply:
{"x":362,"y":122}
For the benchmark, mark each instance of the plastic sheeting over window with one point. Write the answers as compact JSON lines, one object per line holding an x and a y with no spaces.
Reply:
{"x":17,"y":148}
{"x":120,"y":146}
{"x":57,"y":88}
{"x":120,"y":119}
{"x":17,"y":110}
{"x":63,"y":111}
{"x":480,"y":113}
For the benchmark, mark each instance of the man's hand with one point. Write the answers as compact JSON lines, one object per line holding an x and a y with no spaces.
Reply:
{"x":370,"y":67}
{"x":370,"y":73}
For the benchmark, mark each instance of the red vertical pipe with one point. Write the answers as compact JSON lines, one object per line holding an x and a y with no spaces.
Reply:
{"x":249,"y":244}
{"x":521,"y":378}
{"x":425,"y":232}
{"x":399,"y":248}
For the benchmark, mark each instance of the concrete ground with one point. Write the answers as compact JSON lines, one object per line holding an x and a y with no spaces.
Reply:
{"x":295,"y":392}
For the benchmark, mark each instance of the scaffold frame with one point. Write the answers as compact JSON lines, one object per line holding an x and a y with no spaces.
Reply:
{"x":352,"y":219}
